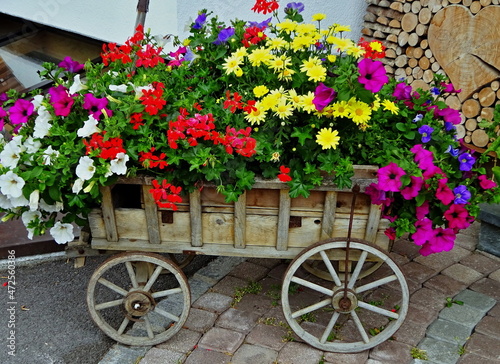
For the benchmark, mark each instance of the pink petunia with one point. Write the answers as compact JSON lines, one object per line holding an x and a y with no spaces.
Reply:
{"x":486,"y":183}
{"x":444,"y":193}
{"x":443,"y":240}
{"x":457,"y":216}
{"x":61,"y":100}
{"x":389,"y":177}
{"x":423,"y":210}
{"x":412,"y":190}
{"x":378,"y":197}
{"x":323,"y":95}
{"x":372,"y":74}
{"x":21,"y":111}
{"x":424,"y":231}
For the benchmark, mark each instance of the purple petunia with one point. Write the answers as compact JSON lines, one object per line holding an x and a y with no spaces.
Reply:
{"x":96,"y":105}
{"x":389,"y":177}
{"x":372,"y":74}
{"x":61,"y":100}
{"x":71,"y":66}
{"x":200,"y":21}
{"x":466,"y":161}
{"x":426,"y":132}
{"x":262,"y":25}
{"x":402,"y":91}
{"x":462,"y":194}
{"x":299,"y":7}
{"x":21,"y":111}
{"x":323,"y":95}
{"x":224,"y":35}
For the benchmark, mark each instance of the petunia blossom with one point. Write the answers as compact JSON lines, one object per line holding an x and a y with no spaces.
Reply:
{"x":486,"y":183}
{"x":21,"y":111}
{"x":378,"y":197}
{"x":422,"y":211}
{"x":442,"y":240}
{"x":389,"y":177}
{"x":444,"y":193}
{"x":423,"y":231}
{"x":70,"y":65}
{"x":426,"y":132}
{"x":466,"y":162}
{"x":402,"y":91}
{"x":224,"y":35}
{"x":27,"y":217}
{"x":42,"y":123}
{"x":372,"y":74}
{"x":96,"y":106}
{"x":323,"y":95}
{"x":462,"y":194}
{"x":62,"y":233}
{"x":11,"y":184}
{"x":457,"y":216}
{"x":89,"y":127}
{"x":10,"y":155}
{"x":199,"y":21}
{"x":61,"y":100}
{"x":412,"y":190}
{"x":85,"y":168}
{"x":119,"y":164}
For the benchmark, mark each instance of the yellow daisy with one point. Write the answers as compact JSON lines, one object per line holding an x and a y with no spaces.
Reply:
{"x":307,"y":102}
{"x":390,"y":106}
{"x":360,"y":113}
{"x":232,"y":64}
{"x":283,"y":110}
{"x":259,"y":56}
{"x":306,"y":29}
{"x":279,"y":63}
{"x":316,"y":73}
{"x":260,"y":91}
{"x":286,"y":74}
{"x":288,"y":26}
{"x":310,"y":63}
{"x":256,"y":116}
{"x":328,"y":138}
{"x":318,"y":17}
{"x":340,"y":109}
{"x":276,"y":43}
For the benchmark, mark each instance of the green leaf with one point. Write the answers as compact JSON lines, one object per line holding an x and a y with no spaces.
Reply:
{"x":302,"y":133}
{"x":496,"y":173}
{"x":55,"y":193}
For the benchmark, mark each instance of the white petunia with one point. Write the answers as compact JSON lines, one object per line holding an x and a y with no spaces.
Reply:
{"x":89,"y":127}
{"x":42,"y":123}
{"x":34,"y":198}
{"x":10,"y":155}
{"x":32,"y":146}
{"x":85,"y":168}
{"x":77,"y":186}
{"x":58,"y":206}
{"x":27,"y":217}
{"x":5,"y":202}
{"x":62,"y":233}
{"x":119,"y":165}
{"x":77,"y":85}
{"x":119,"y":88}
{"x":11,"y":185}
{"x":37,"y":101}
{"x":20,"y":201}
{"x":50,"y":155}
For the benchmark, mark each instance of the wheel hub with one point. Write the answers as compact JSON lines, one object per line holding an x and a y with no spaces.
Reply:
{"x":138,"y":304}
{"x":344,"y":303}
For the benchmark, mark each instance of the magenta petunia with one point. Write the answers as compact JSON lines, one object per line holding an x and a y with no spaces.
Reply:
{"x":389,"y":177}
{"x":424,"y":231}
{"x":372,"y":74}
{"x":3,"y":115}
{"x":486,"y":183}
{"x":444,"y":193}
{"x":449,"y":115}
{"x":443,"y":240}
{"x":96,"y":106}
{"x":457,"y":216}
{"x":412,"y":190}
{"x":21,"y":111}
{"x":402,"y":91}
{"x":323,"y":95}
{"x":70,"y":65}
{"x":61,"y":100}
{"x":378,"y":197}
{"x":422,"y":211}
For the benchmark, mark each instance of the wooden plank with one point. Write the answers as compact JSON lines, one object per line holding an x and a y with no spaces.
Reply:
{"x":283,"y":221}
{"x":108,"y":214}
{"x":373,"y":222}
{"x":328,"y":215}
{"x":240,"y":222}
{"x":151,"y":211}
{"x":195,"y":214}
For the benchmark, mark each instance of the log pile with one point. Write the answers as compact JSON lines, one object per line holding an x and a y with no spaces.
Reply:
{"x":412,"y":30}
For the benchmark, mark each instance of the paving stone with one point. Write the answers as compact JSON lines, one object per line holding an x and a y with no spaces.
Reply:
{"x":200,"y":320}
{"x":198,"y":288}
{"x":213,"y":302}
{"x":449,"y":331}
{"x":399,"y":259}
{"x":218,"y":269}
{"x":184,"y":341}
{"x":268,"y":336}
{"x":249,"y":271}
{"x":391,"y":351}
{"x":495,"y":311}
{"x":488,"y":287}
{"x":265,"y":262}
{"x":156,"y":355}
{"x":242,"y":321}
{"x":489,"y":325}
{"x":429,"y":299}
{"x":120,"y":354}
{"x":473,"y":359}
{"x":462,"y":273}
{"x":223,"y":340}
{"x":352,"y":358}
{"x":467,"y":241}
{"x":420,"y":313}
{"x":463,"y":314}
{"x":278,"y":272}
{"x":439,"y":352}
{"x":255,"y":303}
{"x":406,"y":248}
{"x":485,"y":346}
{"x":373,"y":361}
{"x":299,"y":353}
{"x":478,"y":300}
{"x":251,"y":354}
{"x":411,"y":332}
{"x":205,"y":356}
{"x":480,"y":262}
{"x":444,"y":259}
{"x":228,"y":284}
{"x":495,"y":275}
{"x":447,"y":285}
{"x":271,"y":287}
{"x":417,"y":272}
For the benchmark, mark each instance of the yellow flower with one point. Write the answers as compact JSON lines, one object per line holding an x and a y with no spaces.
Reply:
{"x":259,"y":56}
{"x":355,"y":51}
{"x":238,"y":72}
{"x":240,"y":52}
{"x":286,"y":74}
{"x":390,"y":106}
{"x":288,"y":26}
{"x":302,"y":42}
{"x":310,"y":63}
{"x":328,"y":138}
{"x":341,"y":43}
{"x":186,"y":42}
{"x":257,"y":115}
{"x":276,"y":43}
{"x":316,"y":73}
{"x":318,"y":17}
{"x":341,"y":28}
{"x":296,"y":99}
{"x":332,"y":58}
{"x":306,"y":29}
{"x":283,"y":110}
{"x":376,"y":103}
{"x":307,"y":102}
{"x":275,"y":157}
{"x":360,"y":113}
{"x":340,"y":109}
{"x":232,"y":64}
{"x":376,"y":46}
{"x":279,"y":63}
{"x":260,"y":91}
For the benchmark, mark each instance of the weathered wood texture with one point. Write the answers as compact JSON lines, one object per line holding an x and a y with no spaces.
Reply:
{"x":265,"y":222}
{"x":459,"y":38}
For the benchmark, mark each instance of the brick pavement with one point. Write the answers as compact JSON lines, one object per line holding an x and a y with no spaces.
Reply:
{"x":253,"y":330}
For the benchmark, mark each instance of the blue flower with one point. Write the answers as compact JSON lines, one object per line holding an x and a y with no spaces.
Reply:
{"x":453,"y":152}
{"x":435,"y":91}
{"x":426,"y":132}
{"x":449,"y":126}
{"x":224,"y":35}
{"x":418,"y":118}
{"x":263,"y":24}
{"x":462,"y":194}
{"x":466,"y":161}
{"x":299,"y":7}
{"x":200,"y":21}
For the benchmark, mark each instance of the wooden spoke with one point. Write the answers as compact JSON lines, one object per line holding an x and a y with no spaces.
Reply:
{"x":377,"y":283}
{"x":131,"y":274}
{"x":166,"y":314}
{"x":357,"y":270}
{"x":123,"y":326}
{"x":104,"y":305}
{"x":112,"y":286}
{"x":149,"y":328}
{"x":329,"y":327}
{"x":360,"y":327}
{"x":330,"y":268}
{"x":312,"y":286}
{"x":379,"y":310}
{"x":311,"y":308}
{"x":167,"y":292}
{"x":153,"y":278}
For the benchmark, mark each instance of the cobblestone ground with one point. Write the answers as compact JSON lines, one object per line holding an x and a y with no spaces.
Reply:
{"x":453,"y":317}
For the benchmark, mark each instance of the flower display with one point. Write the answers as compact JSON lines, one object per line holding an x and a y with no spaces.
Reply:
{"x":282,"y":99}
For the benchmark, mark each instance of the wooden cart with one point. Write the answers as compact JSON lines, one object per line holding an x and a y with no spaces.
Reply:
{"x":335,"y":239}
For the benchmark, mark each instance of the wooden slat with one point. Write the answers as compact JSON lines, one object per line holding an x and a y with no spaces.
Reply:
{"x":328,"y":215}
{"x":195,"y":216}
{"x":151,"y":211}
{"x":108,"y":214}
{"x":283,"y":221}
{"x":373,"y":223}
{"x":240,"y":221}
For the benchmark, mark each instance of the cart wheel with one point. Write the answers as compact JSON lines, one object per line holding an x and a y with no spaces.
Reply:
{"x":318,"y":268}
{"x":182,"y":260}
{"x":359,"y":318}
{"x":131,"y":305}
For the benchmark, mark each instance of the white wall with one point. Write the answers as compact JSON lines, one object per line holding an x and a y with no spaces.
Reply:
{"x":113,"y":20}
